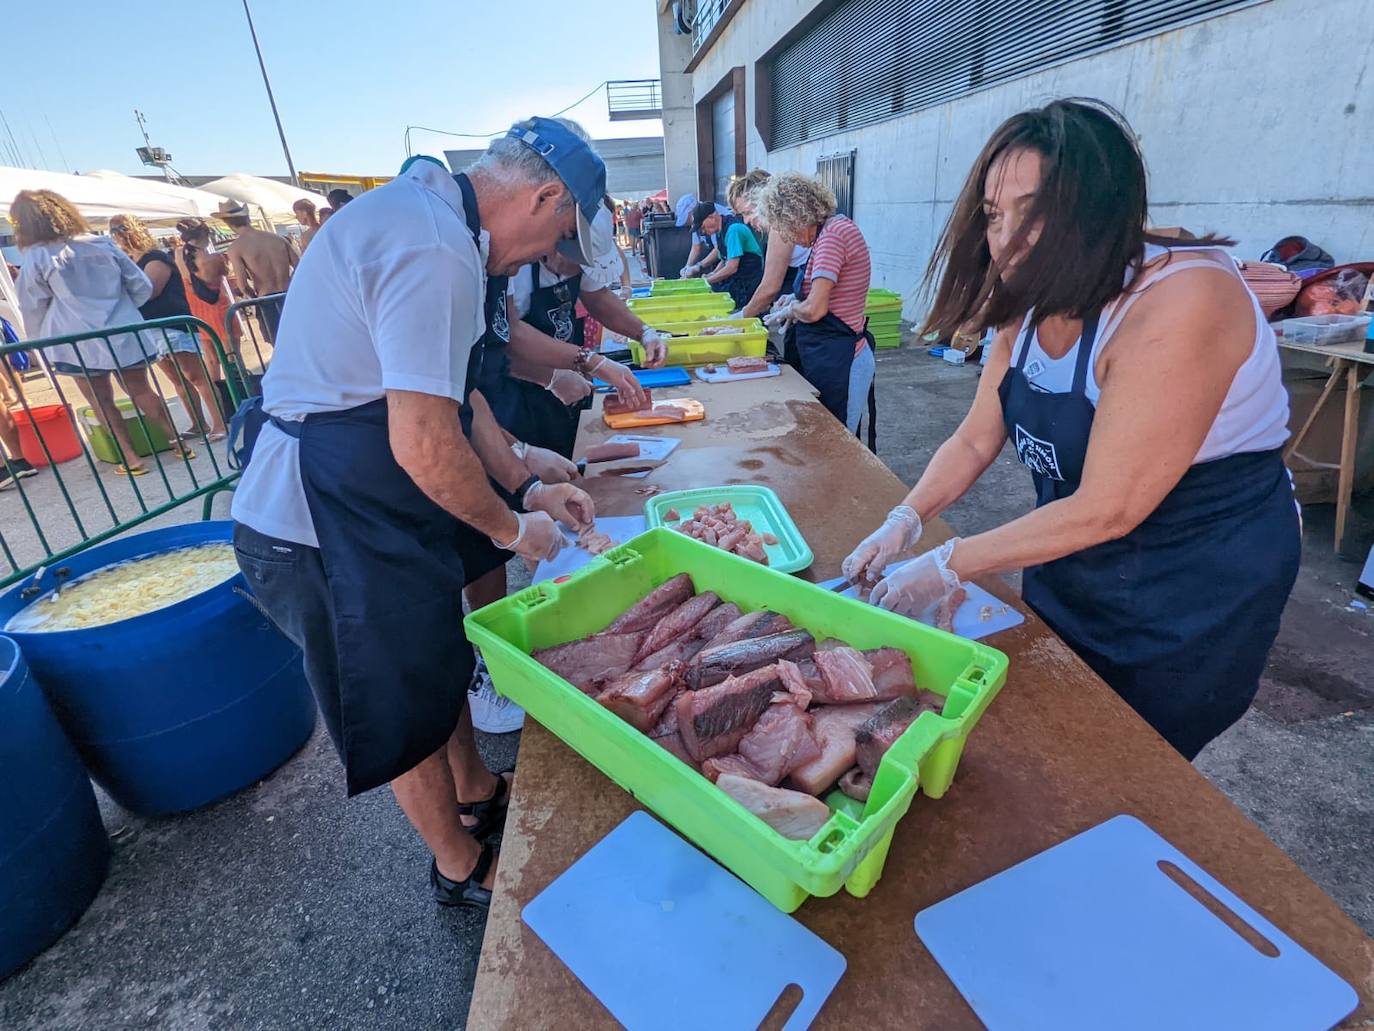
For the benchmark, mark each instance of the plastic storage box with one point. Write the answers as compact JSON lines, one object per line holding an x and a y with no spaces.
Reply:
{"x":680,"y":308}
{"x":103,"y":445}
{"x":1326,"y":330}
{"x":688,"y":347}
{"x":677,"y":287}
{"x":852,"y":847}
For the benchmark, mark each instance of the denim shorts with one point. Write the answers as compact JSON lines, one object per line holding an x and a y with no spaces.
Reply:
{"x":176,"y":341}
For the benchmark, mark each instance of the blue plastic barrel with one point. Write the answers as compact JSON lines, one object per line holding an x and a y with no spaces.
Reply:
{"x":179,"y":706}
{"x":53,"y":849}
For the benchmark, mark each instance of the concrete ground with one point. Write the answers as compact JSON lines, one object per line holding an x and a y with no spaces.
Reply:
{"x":287,"y":907}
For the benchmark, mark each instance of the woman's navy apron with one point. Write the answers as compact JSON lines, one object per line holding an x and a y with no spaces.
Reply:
{"x":1179,"y":615}
{"x":823,"y":351}
{"x":394,"y":564}
{"x":542,"y":419}
{"x":748,"y":274}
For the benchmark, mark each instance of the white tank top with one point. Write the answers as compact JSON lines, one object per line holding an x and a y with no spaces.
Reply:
{"x":1254,"y":415}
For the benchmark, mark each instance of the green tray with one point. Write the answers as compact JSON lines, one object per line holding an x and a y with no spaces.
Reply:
{"x":693,"y":349}
{"x":852,"y":847}
{"x":760,"y":505}
{"x":679,"y":286}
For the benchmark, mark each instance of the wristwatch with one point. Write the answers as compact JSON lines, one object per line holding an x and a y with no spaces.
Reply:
{"x":520,"y":448}
{"x":583,"y":362}
{"x":523,"y":490}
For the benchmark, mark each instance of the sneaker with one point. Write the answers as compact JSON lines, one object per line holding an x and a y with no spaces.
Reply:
{"x":18,"y":469}
{"x":492,"y":712}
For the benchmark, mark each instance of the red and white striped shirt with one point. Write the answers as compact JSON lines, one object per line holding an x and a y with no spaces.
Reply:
{"x":840,"y":254}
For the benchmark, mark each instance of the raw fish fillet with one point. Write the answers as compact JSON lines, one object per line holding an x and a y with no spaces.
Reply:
{"x":683,"y":650}
{"x":747,"y":364}
{"x":737,"y":764}
{"x":877,"y":675}
{"x":760,"y":623}
{"x":726,"y":660}
{"x":781,"y":741}
{"x":615,"y":405}
{"x":593,"y":540}
{"x":589,"y":662}
{"x":612,"y":452}
{"x":714,"y":622}
{"x":665,"y":732}
{"x":944,"y":612}
{"x":893,"y":676}
{"x":795,"y":682}
{"x":678,"y":622}
{"x":640,"y":698}
{"x":856,"y":784}
{"x":712,"y":720}
{"x":834,"y":727}
{"x":885,"y":726}
{"x":646,"y":612}
{"x":790,"y":813}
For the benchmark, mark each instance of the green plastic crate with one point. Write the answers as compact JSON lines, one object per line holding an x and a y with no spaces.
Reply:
{"x":693,"y":349}
{"x":663,"y":287}
{"x":103,"y":444}
{"x":670,"y":308}
{"x":850,"y":850}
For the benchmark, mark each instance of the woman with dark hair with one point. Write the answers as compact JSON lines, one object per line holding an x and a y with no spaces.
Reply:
{"x":1140,"y":384}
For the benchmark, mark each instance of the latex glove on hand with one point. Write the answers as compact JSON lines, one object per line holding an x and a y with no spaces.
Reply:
{"x":538,"y":539}
{"x":655,"y":348}
{"x":569,"y":387}
{"x":623,"y":381}
{"x":781,"y":317}
{"x":549,"y":466}
{"x":570,"y":505}
{"x":898,"y":535}
{"x":626,"y":292}
{"x":783,"y":301}
{"x":914,"y":589}
{"x":690,"y":271}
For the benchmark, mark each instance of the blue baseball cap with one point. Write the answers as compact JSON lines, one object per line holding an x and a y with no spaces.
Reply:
{"x":582,"y":172}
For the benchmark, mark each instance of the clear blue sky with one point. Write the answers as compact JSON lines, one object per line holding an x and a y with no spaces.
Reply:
{"x":347,"y":84}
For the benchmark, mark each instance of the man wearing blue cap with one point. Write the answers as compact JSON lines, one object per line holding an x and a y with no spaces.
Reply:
{"x":368,"y":485}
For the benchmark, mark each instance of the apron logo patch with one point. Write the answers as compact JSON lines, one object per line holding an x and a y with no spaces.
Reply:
{"x":500,"y":325}
{"x":1039,"y":456}
{"x":562,"y":321}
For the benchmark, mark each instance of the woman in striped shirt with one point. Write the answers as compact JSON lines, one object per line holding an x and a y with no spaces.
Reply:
{"x":827,"y":337}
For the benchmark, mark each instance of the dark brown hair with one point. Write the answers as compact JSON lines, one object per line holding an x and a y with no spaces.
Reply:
{"x":1091,"y":209}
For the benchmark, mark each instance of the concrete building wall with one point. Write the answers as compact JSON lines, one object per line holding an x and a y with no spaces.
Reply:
{"x":1257,"y":123}
{"x":679,"y":114}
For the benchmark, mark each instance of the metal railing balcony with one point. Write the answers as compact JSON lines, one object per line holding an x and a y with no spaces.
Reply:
{"x":628,"y":99}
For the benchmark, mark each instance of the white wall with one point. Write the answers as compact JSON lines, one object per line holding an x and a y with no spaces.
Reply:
{"x":1257,"y":123}
{"x":679,"y":111}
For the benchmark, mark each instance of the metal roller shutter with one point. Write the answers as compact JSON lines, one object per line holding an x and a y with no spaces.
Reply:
{"x":868,"y":60}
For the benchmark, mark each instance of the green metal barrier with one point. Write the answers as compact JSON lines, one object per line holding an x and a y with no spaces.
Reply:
{"x":101,"y":505}
{"x":249,"y":348}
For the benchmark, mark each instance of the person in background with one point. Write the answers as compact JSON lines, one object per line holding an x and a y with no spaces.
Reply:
{"x":784,"y":262}
{"x":337,"y":198}
{"x":207,"y":271}
{"x":262,"y":263}
{"x":686,"y":209}
{"x":73,"y":281}
{"x":323,"y":215}
{"x":1165,"y":538}
{"x":734,"y":261}
{"x":826,"y":336}
{"x":305,"y":214}
{"x":634,"y":226}
{"x":178,"y":349}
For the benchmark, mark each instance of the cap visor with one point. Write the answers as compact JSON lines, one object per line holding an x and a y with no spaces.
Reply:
{"x":583,"y":249}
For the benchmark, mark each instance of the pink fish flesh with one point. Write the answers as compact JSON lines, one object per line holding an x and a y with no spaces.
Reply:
{"x":645,"y":613}
{"x":640,"y":698}
{"x":725,"y":660}
{"x":781,"y":741}
{"x":834,"y":727}
{"x":589,"y":662}
{"x":790,"y":813}
{"x":678,"y":622}
{"x":714,"y":719}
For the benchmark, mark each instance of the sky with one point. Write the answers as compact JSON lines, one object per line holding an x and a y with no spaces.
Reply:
{"x":347,"y":83}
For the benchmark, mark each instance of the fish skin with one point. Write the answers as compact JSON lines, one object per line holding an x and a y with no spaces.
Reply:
{"x":714,"y":719}
{"x":760,"y":623}
{"x":881,"y":730}
{"x":679,"y":621}
{"x":720,"y":661}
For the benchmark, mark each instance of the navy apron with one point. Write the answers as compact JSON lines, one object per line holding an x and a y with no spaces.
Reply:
{"x":823,"y":352}
{"x":1179,"y":615}
{"x":748,"y":274}
{"x":544,"y":420}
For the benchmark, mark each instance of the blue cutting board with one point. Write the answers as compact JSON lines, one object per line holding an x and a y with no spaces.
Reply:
{"x":665,"y":938}
{"x":650,"y":379}
{"x":1093,"y":934}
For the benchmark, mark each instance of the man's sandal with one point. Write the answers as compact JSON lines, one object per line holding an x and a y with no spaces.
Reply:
{"x":468,"y":892}
{"x":490,"y":815}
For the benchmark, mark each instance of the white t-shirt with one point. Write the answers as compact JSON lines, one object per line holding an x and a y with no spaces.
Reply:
{"x":390,"y":298}
{"x":593,"y":278}
{"x":1254,"y":415}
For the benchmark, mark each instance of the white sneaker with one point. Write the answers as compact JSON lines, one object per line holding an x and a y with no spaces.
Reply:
{"x":491,"y":712}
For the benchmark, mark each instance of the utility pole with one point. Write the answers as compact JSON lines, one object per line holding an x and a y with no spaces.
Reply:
{"x":295,"y":180}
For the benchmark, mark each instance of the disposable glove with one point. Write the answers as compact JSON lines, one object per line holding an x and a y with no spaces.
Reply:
{"x":570,"y":505}
{"x":898,"y":535}
{"x":549,"y":466}
{"x":914,"y":589}
{"x":624,"y":382}
{"x":655,"y":348}
{"x":538,"y":539}
{"x":568,"y":386}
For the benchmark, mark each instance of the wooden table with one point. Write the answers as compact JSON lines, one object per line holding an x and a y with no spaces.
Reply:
{"x":1348,"y":362}
{"x":1056,"y":753}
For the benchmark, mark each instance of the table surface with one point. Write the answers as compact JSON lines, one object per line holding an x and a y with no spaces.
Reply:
{"x":1350,"y":352}
{"x":1056,"y":753}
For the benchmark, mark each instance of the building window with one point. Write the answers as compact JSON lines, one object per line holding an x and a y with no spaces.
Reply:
{"x":855,"y":62}
{"x":837,"y":172}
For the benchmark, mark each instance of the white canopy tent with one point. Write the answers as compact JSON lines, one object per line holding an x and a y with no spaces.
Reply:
{"x":272,"y":198}
{"x":98,"y":199}
{"x":206,"y":203}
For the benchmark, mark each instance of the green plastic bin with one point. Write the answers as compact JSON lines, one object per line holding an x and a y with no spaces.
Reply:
{"x":850,"y":850}
{"x":688,"y":347}
{"x":672,"y":308}
{"x":103,"y":444}
{"x":663,"y":287}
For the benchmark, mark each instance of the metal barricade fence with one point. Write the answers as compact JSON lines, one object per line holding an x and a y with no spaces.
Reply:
{"x":84,"y":504}
{"x":250,"y":331}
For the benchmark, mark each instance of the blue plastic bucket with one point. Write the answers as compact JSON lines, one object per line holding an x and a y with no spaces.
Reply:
{"x":179,"y":706}
{"x":53,"y":849}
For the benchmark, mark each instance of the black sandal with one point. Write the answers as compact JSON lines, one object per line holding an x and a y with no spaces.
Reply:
{"x":467,"y":893}
{"x":491,"y":813}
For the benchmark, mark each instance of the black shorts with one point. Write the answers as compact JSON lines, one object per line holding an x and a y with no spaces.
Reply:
{"x":290,"y":586}
{"x":270,"y":314}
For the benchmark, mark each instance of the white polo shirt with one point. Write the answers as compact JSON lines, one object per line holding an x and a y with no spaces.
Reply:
{"x":388,"y":296}
{"x":593,"y":279}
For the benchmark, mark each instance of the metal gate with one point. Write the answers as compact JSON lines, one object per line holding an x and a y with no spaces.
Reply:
{"x":837,"y":172}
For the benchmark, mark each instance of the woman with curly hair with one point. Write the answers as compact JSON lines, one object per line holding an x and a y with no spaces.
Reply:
{"x":73,"y":281}
{"x":784,"y":262}
{"x":827,"y":337}
{"x":179,"y":348}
